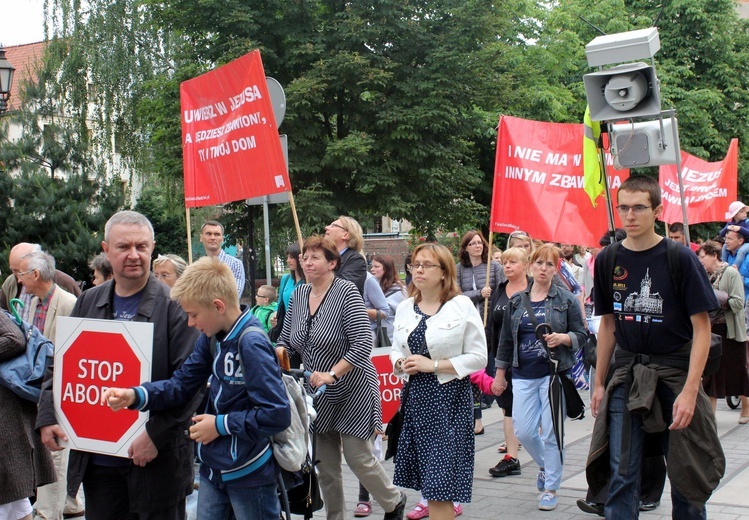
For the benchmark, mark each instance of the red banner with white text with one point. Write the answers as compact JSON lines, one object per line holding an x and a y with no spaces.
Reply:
{"x":231,"y":148}
{"x":709,"y":188}
{"x":538,"y":183}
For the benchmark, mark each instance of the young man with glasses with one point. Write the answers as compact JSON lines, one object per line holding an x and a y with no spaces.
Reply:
{"x":654,"y":322}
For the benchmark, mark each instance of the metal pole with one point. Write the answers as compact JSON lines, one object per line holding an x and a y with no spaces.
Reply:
{"x":266,"y":228}
{"x":675,"y":132}
{"x":607,"y":189}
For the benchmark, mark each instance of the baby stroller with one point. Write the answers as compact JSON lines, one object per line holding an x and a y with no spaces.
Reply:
{"x":299,"y":491}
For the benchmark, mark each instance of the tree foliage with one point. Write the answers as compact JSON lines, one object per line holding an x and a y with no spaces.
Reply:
{"x":392,"y":105}
{"x":65,"y":216}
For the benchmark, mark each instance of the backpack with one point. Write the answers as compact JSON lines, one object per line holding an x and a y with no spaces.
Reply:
{"x":674,"y":269}
{"x":24,"y":373}
{"x":289,"y":445}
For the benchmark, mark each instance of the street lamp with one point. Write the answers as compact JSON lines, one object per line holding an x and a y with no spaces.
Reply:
{"x":6,"y":80}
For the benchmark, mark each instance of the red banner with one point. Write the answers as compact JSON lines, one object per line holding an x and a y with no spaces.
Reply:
{"x":708,"y":187}
{"x":538,"y":183}
{"x":231,"y":148}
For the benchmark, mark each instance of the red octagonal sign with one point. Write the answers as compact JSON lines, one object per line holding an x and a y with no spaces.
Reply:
{"x":93,"y":355}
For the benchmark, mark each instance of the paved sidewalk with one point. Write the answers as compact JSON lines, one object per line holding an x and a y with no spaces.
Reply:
{"x":516,"y":497}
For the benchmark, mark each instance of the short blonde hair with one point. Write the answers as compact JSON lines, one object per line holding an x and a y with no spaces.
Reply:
{"x":206,"y":280}
{"x":272,"y":293}
{"x":445,"y":258}
{"x":516,"y":253}
{"x":355,"y":233}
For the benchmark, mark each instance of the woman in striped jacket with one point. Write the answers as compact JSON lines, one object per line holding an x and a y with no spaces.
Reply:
{"x":329,"y":327}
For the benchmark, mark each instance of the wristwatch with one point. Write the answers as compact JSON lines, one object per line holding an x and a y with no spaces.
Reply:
{"x":335,"y":377}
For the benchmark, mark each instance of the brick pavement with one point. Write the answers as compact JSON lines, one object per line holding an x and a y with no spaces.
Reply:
{"x":516,"y":497}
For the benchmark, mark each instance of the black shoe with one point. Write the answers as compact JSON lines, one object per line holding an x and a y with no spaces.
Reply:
{"x":590,"y":507}
{"x":506,"y":466}
{"x":485,"y":405}
{"x":649,"y":506}
{"x":397,"y":513}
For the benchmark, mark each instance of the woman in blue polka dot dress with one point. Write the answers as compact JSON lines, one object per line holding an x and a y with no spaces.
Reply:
{"x":438,"y":342}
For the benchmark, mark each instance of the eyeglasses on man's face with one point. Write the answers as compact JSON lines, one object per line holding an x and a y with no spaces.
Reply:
{"x":638,"y":209}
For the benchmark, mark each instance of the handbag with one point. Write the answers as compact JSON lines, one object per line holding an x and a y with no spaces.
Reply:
{"x":275,"y":332}
{"x":381,"y":334}
{"x":394,"y":427}
{"x":572,"y":400}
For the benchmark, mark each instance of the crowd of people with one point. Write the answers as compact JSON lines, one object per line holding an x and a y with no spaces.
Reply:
{"x":489,"y":326}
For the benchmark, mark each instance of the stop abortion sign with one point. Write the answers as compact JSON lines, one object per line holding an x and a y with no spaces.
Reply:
{"x":91,"y":356}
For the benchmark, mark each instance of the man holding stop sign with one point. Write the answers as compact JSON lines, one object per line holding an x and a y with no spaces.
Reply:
{"x":153,"y":482}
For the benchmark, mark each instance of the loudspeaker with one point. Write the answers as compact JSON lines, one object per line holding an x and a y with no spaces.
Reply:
{"x":638,"y":145}
{"x":623,"y":92}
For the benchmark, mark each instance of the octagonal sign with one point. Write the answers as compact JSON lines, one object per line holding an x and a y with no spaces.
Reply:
{"x":91,"y":356}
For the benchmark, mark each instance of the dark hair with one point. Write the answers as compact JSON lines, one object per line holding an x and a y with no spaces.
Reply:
{"x":295,"y":252}
{"x":326,"y":245}
{"x":711,"y":248}
{"x":605,"y":240}
{"x":463,"y":251}
{"x":645,"y":184}
{"x":390,"y":276}
{"x":676,"y":227}
{"x":212,"y":223}
{"x":101,"y":263}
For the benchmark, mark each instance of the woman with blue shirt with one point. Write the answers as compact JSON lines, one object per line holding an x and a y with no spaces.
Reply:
{"x":520,"y":349}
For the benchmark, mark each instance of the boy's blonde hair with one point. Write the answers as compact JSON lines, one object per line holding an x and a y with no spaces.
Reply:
{"x":206,"y":280}
{"x":270,"y":291}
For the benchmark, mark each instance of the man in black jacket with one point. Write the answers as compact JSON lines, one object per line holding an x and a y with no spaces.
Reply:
{"x":153,"y":482}
{"x":347,"y":235}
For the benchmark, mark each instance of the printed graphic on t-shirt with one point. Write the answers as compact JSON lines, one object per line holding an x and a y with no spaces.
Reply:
{"x":642,"y":306}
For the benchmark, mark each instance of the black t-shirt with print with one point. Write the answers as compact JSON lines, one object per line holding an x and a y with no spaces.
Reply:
{"x":648,"y":315}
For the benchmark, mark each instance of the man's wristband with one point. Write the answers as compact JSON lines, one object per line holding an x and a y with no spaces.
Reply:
{"x":436,"y":366}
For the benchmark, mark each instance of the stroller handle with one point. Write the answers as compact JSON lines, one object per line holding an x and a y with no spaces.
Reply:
{"x":298,"y":374}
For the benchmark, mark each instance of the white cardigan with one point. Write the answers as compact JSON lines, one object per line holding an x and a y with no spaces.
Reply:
{"x":455,"y":333}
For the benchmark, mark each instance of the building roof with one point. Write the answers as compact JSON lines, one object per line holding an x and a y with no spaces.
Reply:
{"x":26,"y":59}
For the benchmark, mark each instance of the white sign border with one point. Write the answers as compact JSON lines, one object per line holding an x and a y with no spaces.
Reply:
{"x":139,"y":335}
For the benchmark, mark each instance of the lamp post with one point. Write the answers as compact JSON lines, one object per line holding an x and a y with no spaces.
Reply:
{"x":6,"y":80}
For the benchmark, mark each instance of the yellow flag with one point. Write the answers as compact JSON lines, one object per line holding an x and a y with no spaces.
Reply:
{"x":592,"y":168}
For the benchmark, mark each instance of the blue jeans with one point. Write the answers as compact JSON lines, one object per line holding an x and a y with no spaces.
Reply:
{"x":530,"y":410}
{"x":218,"y":502}
{"x":624,"y":491}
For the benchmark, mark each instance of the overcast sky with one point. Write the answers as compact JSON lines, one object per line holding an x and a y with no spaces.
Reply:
{"x":21,"y":22}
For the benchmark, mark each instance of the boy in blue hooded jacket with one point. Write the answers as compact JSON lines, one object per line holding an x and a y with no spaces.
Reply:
{"x":247,"y":401}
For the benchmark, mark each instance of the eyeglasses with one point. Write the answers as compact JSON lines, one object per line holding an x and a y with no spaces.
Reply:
{"x":416,"y":267}
{"x":476,"y":243}
{"x":335,"y":224}
{"x":261,"y":296}
{"x":25,"y":272}
{"x":623,"y":209}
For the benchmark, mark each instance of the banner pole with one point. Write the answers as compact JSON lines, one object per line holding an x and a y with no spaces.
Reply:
{"x":296,"y":220}
{"x":607,"y":188}
{"x":675,"y":132}
{"x":488,"y":271}
{"x":189,"y":236}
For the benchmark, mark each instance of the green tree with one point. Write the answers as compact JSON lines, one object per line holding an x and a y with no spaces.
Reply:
{"x":702,"y":64}
{"x":65,"y":216}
